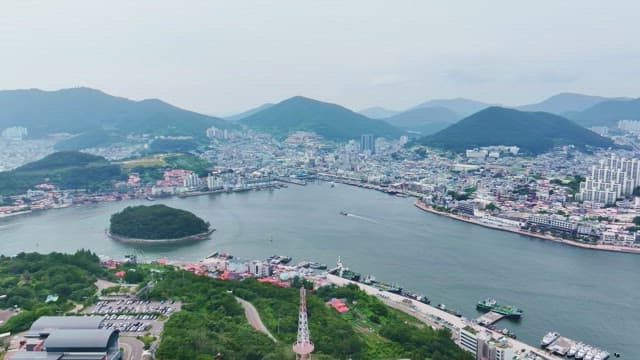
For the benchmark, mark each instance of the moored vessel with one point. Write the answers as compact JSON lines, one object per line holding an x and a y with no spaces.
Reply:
{"x":549,"y":338}
{"x":491,"y":304}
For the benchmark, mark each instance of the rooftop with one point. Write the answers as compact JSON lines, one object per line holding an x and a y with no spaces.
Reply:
{"x":94,"y":339}
{"x":66,"y":322}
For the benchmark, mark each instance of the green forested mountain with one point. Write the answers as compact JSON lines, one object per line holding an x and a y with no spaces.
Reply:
{"x":533,"y":132}
{"x":212,"y":322}
{"x":332,"y":121}
{"x":608,"y":113}
{"x":378,"y":112}
{"x":65,"y":169}
{"x":85,"y":110}
{"x":425,"y":121}
{"x":248,"y":113}
{"x":156,"y":222}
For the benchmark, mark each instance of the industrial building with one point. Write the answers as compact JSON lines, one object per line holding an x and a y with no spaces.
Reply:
{"x":69,"y":338}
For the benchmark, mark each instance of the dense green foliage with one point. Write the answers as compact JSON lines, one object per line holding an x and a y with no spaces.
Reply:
{"x":533,"y":132}
{"x":332,"y":121}
{"x":156,"y":222}
{"x":27,"y":279}
{"x":149,"y":174}
{"x":188,"y":161}
{"x":427,"y":120}
{"x":172,"y":145}
{"x":67,"y":170}
{"x":82,"y":110}
{"x":212,"y":321}
{"x":608,"y":113}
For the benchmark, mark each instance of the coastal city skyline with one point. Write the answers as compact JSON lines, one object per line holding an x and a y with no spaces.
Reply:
{"x":329,"y":180}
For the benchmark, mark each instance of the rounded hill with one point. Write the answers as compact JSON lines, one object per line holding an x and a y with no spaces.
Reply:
{"x":157,"y":222}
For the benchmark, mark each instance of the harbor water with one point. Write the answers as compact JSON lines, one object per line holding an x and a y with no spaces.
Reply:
{"x":587,"y":295}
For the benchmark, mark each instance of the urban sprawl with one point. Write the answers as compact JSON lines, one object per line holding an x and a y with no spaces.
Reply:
{"x":583,"y":199}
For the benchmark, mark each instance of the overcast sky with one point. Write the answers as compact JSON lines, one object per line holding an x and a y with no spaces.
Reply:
{"x":220,"y":57}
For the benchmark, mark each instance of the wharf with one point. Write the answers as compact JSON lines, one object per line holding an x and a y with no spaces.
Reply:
{"x":561,"y":346}
{"x":289,"y":180}
{"x":490,"y":318}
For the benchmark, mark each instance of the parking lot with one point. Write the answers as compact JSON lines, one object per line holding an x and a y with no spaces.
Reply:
{"x":133,"y":316}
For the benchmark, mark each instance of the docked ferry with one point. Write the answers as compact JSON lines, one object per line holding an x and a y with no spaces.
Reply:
{"x":491,"y":304}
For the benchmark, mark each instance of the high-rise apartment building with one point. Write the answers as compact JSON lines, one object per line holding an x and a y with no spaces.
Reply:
{"x":613,"y":178}
{"x":368,"y":143}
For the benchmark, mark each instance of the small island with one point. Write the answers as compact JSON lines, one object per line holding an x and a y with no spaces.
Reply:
{"x":157,"y":224}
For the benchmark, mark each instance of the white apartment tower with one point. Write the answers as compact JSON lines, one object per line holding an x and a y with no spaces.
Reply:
{"x":613,"y":178}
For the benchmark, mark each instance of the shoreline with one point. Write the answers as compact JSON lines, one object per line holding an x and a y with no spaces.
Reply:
{"x":610,"y":248}
{"x":187,"y":239}
{"x":429,"y":314}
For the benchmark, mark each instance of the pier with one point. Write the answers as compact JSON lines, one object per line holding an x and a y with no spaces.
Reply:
{"x":290,"y":180}
{"x":490,"y":318}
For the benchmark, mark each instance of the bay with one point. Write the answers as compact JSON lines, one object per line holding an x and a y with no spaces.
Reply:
{"x":586,"y":295}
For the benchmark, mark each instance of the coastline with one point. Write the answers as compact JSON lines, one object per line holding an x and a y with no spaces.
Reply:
{"x":424,"y":207}
{"x":187,"y":239}
{"x":429,"y":314}
{"x":15,"y":213}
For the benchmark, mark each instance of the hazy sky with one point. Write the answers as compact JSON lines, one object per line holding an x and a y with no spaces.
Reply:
{"x":220,"y":57}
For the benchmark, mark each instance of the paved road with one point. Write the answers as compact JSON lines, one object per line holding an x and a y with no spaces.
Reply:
{"x":133,"y":348}
{"x":254,"y":318}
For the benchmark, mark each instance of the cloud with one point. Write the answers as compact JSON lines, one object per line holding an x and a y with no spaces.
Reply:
{"x":465,"y":77}
{"x":387,"y":79}
{"x":556,"y":77}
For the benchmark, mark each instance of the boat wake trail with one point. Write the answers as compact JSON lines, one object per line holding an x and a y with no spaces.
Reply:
{"x":363,"y":218}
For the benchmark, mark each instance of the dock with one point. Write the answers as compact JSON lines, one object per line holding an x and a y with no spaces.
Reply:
{"x":489,"y":318}
{"x":561,"y":346}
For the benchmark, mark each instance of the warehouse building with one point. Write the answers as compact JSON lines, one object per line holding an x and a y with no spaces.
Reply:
{"x":69,"y":338}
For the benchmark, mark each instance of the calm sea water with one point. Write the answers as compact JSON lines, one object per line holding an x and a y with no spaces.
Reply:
{"x":585,"y":295}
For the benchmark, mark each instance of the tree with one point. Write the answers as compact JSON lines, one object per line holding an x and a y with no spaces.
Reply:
{"x":492,"y":207}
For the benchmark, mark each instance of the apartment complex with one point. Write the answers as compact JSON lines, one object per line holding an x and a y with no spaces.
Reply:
{"x":613,"y":178}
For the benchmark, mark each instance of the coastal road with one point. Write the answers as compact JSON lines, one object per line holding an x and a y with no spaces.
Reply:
{"x":133,"y":348}
{"x":254,"y":318}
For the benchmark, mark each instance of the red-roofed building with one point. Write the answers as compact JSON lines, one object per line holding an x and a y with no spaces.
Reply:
{"x":120,"y":273}
{"x":274,"y":281}
{"x":337,"y":304}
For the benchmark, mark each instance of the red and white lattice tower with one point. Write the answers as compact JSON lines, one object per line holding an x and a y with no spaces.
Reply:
{"x":303,"y":347}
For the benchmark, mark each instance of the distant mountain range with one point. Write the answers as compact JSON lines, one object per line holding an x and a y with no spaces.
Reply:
{"x":332,"y":121}
{"x":99,"y":116}
{"x":249,"y":112}
{"x":461,"y":106}
{"x":424,"y":121}
{"x":378,"y":112}
{"x":99,"y":119}
{"x":607,"y":113}
{"x":563,"y":103}
{"x":533,"y":132}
